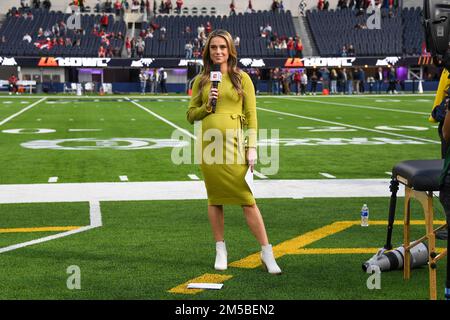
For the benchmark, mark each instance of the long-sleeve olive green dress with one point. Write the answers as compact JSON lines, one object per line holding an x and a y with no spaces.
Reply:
{"x":225,"y":181}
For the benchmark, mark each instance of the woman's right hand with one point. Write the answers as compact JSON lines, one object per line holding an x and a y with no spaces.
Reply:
{"x":213,"y":94}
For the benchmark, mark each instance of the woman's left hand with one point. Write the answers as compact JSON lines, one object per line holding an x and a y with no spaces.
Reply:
{"x":251,"y":157}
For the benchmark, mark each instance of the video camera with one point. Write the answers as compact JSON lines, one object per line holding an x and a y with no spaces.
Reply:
{"x":436,"y":22}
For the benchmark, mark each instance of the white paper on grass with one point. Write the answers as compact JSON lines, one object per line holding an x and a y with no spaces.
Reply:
{"x":212,"y":286}
{"x":249,"y":180}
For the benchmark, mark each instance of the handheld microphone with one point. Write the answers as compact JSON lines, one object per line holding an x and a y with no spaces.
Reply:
{"x":215,"y":77}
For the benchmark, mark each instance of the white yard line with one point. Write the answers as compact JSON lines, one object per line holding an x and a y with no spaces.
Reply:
{"x":53,"y":179}
{"x":350,"y":126}
{"x":327,"y":175}
{"x":123,"y":178}
{"x":358,"y":106}
{"x":95,"y":217}
{"x":21,"y":111}
{"x":193,"y":177}
{"x":188,"y":190}
{"x":170,"y":123}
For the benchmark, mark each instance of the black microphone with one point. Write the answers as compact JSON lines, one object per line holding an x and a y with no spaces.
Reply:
{"x":215,"y":77}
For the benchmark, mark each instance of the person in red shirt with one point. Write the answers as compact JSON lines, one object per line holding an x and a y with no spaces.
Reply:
{"x":12,"y":84}
{"x":290,"y":46}
{"x":128,"y":47}
{"x":208,"y":28}
{"x":298,"y":48}
{"x":101,"y":52}
{"x":104,"y":21}
{"x":179,"y":5}
{"x":297,"y":79}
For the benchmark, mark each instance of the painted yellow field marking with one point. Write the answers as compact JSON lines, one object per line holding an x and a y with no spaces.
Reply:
{"x":343,"y":250}
{"x":37,"y":229}
{"x":206,"y":278}
{"x":296,"y":246}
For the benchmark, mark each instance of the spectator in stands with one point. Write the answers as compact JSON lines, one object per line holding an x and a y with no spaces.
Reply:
{"x":334,"y":79}
{"x":237,"y":41}
{"x":250,"y":7}
{"x":27,"y":38}
{"x":379,"y":78}
{"x":142,"y":6}
{"x":101,"y":52}
{"x":168,"y":6}
{"x":303,"y":82}
{"x":326,"y":5}
{"x":200,"y":29}
{"x":290,"y":46}
{"x":232,"y":8}
{"x":12,"y":86}
{"x":344,"y":51}
{"x":104,"y":21}
{"x":188,"y":50}
{"x":179,"y":4}
{"x":128,"y":47}
{"x":320,"y":5}
{"x":298,"y":48}
{"x":36,"y":4}
{"x":140,"y":47}
{"x":297,"y":78}
{"x":188,"y":32}
{"x":24,"y":4}
{"x":135,"y":6}
{"x":208,"y":28}
{"x":118,"y":7}
{"x":314,"y":79}
{"x":324,"y":76}
{"x":392,"y":77}
{"x":275,"y":6}
{"x":350,"y":51}
{"x":163,"y":34}
{"x":46,"y":4}
{"x":342,"y":4}
{"x":162,"y":80}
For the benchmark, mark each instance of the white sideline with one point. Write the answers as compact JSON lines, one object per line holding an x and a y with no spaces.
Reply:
{"x":95,"y":217}
{"x":20,"y":112}
{"x":188,"y":190}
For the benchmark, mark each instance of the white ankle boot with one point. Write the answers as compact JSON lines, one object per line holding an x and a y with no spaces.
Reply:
{"x":268,"y":260}
{"x":221,"y":256}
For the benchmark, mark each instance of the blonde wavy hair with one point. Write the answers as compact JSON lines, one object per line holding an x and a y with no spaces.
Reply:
{"x":233,"y":70}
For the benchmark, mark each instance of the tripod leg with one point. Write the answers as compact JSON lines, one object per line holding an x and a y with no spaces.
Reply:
{"x":393,"y":203}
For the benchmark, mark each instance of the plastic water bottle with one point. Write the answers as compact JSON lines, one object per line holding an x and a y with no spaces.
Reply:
{"x":365,"y":216}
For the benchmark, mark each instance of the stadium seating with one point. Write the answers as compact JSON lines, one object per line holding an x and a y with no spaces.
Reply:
{"x":15,"y":28}
{"x":398,"y":35}
{"x":245,"y":25}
